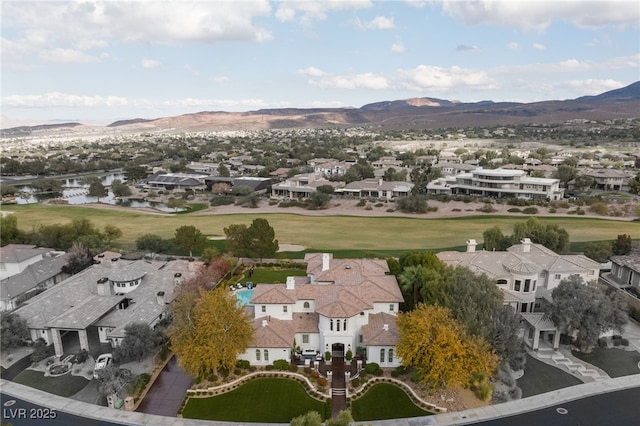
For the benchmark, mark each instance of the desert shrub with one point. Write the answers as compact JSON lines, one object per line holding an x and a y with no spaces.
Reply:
{"x":634,"y":313}
{"x":314,"y":374}
{"x":487,"y":208}
{"x":379,"y":205}
{"x":602,"y":342}
{"x":224,"y":372}
{"x":514,"y":210}
{"x":293,"y":368}
{"x":237,"y":371}
{"x":617,"y":342}
{"x":378,"y":372}
{"x":515,"y":393}
{"x":355,"y":382}
{"x":624,"y":342}
{"x":414,"y":376}
{"x":552,"y":210}
{"x":456,"y":210}
{"x":307,"y":370}
{"x":40,"y":350}
{"x":432,"y":208}
{"x":361,"y":203}
{"x":530,"y":210}
{"x":268,"y":367}
{"x":579,"y":212}
{"x":164,"y":352}
{"x":368,"y":208}
{"x":599,"y":208}
{"x":322,"y":381}
{"x":81,"y":356}
{"x":390,"y":210}
{"x":395,"y":373}
{"x":212,"y":377}
{"x":480,"y":387}
{"x":221,"y":200}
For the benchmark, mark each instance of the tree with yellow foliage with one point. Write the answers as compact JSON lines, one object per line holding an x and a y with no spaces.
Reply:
{"x":440,"y":349}
{"x":208,"y":331}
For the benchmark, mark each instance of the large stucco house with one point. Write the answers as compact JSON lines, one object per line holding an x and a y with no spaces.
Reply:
{"x":95,"y":305}
{"x":498,"y":183}
{"x":526,"y":273}
{"x":348,"y":302}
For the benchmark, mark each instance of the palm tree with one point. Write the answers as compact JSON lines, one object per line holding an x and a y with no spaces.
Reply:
{"x":412,"y":279}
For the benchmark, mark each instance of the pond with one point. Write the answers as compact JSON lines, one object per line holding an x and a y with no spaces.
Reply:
{"x":75,"y":191}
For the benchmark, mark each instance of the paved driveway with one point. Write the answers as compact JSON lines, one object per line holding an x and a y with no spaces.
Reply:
{"x":167,"y":393}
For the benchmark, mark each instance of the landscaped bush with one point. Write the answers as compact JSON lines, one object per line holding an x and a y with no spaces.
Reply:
{"x":237,"y":371}
{"x":514,"y":210}
{"x":530,"y":210}
{"x":617,"y":342}
{"x":414,"y":376}
{"x":602,"y":342}
{"x":355,"y":382}
{"x":243,"y":363}
{"x":378,"y":372}
{"x":307,"y":370}
{"x":222,"y":200}
{"x":371,"y":367}
{"x":624,"y":342}
{"x":139,"y":384}
{"x":293,"y":368}
{"x":552,"y":210}
{"x":322,"y":381}
{"x":40,"y":350}
{"x":268,"y":367}
{"x":81,"y":356}
{"x":487,"y":208}
{"x":281,"y":364}
{"x":361,"y":203}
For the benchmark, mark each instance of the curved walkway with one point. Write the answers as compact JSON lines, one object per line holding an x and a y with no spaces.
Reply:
{"x":458,"y":418}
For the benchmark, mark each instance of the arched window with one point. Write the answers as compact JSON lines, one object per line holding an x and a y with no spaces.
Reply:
{"x":266,"y":355}
{"x":382,"y":355}
{"x":338,"y":325}
{"x":331,"y":324}
{"x":257,"y":354}
{"x":390,"y":355}
{"x":502,"y":282}
{"x":344,"y":325}
{"x":306,"y":305}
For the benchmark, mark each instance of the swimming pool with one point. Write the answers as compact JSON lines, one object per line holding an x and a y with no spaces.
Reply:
{"x":244,"y":296}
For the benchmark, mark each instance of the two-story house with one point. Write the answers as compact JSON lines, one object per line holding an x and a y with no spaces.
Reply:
{"x":350,"y":302}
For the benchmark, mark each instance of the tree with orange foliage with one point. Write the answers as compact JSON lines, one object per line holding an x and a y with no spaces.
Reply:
{"x":209,"y":331}
{"x":439,"y":348}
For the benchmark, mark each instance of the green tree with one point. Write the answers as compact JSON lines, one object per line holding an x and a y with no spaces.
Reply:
{"x":139,"y":341}
{"x":413,"y":204}
{"x":472,"y":299}
{"x":263,"y":241}
{"x":439,"y":348}
{"x":209,"y":331}
{"x":120,"y":189}
{"x":585,"y":311}
{"x":9,"y":232}
{"x":494,"y":239}
{"x":598,"y":251}
{"x":622,"y":245}
{"x":80,"y":258}
{"x":114,"y":381}
{"x":238,"y":240}
{"x":14,"y":330}
{"x":176,"y":203}
{"x":550,"y":235}
{"x":318,"y":200}
{"x":152,"y":243}
{"x":96,"y":188}
{"x":565,"y":173}
{"x":312,"y":418}
{"x":135,"y":173}
{"x":505,"y":338}
{"x":190,"y":238}
{"x":208,"y":254}
{"x":344,"y":418}
{"x":325,"y":189}
{"x":223,"y":170}
{"x":111,"y":233}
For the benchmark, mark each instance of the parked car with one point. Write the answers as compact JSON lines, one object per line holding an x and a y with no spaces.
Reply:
{"x":101,"y":363}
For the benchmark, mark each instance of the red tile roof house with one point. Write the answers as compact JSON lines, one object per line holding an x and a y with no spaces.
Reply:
{"x":352,"y":302}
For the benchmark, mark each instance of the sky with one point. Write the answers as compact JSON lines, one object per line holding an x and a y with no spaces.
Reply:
{"x":99,"y":61}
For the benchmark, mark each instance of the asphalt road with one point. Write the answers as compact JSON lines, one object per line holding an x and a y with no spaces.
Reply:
{"x":621,"y":408}
{"x":18,"y":412}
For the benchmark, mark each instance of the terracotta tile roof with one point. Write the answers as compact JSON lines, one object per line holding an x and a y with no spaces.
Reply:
{"x":374,"y":333}
{"x":305,"y":322}
{"x":273,"y":333}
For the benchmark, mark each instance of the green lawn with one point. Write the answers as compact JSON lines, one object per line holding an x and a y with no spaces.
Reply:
{"x":329,"y":233}
{"x":385,"y":401}
{"x":259,"y":401}
{"x":540,"y":378}
{"x":272,"y":276}
{"x":616,"y":362}
{"x":66,"y":385}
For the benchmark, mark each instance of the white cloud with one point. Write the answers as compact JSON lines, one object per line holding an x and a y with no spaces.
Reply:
{"x":538,"y":46}
{"x":67,"y":56}
{"x":57,"y":99}
{"x":418,"y":79}
{"x":380,"y":23}
{"x":538,"y":15}
{"x":150,"y":63}
{"x":513,"y":45}
{"x":191,"y":69}
{"x":221,"y":79}
{"x":398,"y":48}
{"x":312,"y":72}
{"x":306,"y":12}
{"x":467,"y":48}
{"x":593,"y":86}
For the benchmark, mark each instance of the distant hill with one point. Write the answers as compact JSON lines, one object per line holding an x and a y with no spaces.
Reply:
{"x":414,"y":113}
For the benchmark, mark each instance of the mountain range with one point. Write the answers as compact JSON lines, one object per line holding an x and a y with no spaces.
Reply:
{"x":414,"y":113}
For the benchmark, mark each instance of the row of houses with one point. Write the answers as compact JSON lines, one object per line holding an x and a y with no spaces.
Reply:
{"x":348,"y":302}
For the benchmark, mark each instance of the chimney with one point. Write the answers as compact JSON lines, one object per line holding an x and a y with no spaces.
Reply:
{"x":264,"y":322}
{"x":177,"y":278}
{"x":385,"y":327}
{"x":471,"y":246}
{"x":380,"y":181}
{"x":114,"y":262}
{"x":160,"y":298}
{"x":326,"y":259}
{"x":291,"y":283}
{"x":104,"y":287}
{"x":526,"y":245}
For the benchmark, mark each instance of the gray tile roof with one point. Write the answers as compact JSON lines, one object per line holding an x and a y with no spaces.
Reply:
{"x":16,"y":253}
{"x":75,"y":302}
{"x":32,"y":276}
